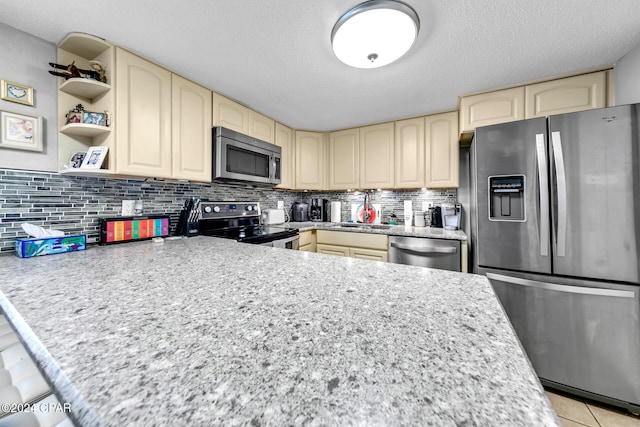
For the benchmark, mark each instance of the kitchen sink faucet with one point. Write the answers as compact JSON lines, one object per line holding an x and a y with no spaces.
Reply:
{"x":365,"y":211}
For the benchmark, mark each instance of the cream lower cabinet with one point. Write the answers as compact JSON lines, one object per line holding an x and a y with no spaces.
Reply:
{"x":344,"y":171}
{"x":143,"y":117}
{"x":442,"y":150}
{"x":284,"y":139}
{"x":567,"y":95}
{"x":311,"y":152}
{"x":307,"y":241}
{"x":354,"y":245}
{"x":190,"y":130}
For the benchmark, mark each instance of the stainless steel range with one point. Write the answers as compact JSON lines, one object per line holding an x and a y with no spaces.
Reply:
{"x":241,"y":221}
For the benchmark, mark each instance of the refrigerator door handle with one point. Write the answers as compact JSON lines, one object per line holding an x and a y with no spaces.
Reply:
{"x":543,"y":191}
{"x":562,"y":288}
{"x":561,"y":186}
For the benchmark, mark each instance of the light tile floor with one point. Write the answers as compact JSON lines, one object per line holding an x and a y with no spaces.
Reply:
{"x":577,"y":412}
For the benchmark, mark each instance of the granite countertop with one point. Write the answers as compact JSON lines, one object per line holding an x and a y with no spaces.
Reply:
{"x":394,"y":230}
{"x":205,"y":331}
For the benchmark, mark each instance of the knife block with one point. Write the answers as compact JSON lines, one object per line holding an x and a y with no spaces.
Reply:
{"x":185,"y":227}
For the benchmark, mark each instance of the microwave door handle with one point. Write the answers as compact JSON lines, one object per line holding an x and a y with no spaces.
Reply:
{"x":561,"y":188}
{"x":543,"y":192}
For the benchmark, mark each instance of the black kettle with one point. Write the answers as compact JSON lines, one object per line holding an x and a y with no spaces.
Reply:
{"x":436,"y":217}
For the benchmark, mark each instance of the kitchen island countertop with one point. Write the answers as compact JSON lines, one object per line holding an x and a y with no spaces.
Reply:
{"x":205,"y":331}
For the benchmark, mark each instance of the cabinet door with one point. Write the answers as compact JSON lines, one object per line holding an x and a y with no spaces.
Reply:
{"x":284,"y":139}
{"x":344,"y":159}
{"x":410,"y":157}
{"x":262,"y":127}
{"x":230,"y":114}
{"x":370,"y":254}
{"x":442,"y":150}
{"x":332,"y":250}
{"x":191,"y":130}
{"x":485,"y":109}
{"x":560,"y":96}
{"x":377,"y":156}
{"x":310,"y":160}
{"x":308,"y":241}
{"x":143,"y":111}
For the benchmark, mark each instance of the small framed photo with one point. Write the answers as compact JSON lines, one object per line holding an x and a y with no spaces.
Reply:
{"x":21,"y":132}
{"x":76,"y":159}
{"x":94,"y":158}
{"x":74,"y":117}
{"x":16,"y":92}
{"x":93,"y":118}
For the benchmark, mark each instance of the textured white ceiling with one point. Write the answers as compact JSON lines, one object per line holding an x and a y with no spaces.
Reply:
{"x":275,"y":55}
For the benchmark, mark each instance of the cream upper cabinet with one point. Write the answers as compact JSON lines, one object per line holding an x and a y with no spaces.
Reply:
{"x":262,"y":127}
{"x":491,"y":108}
{"x":442,"y":150}
{"x":143,"y":114}
{"x":284,"y":139}
{"x":377,"y":156}
{"x":567,"y":95}
{"x":344,"y":159}
{"x":235,"y":116}
{"x":230,"y":114}
{"x":310,"y":166}
{"x":410,"y":158}
{"x":191,"y":130}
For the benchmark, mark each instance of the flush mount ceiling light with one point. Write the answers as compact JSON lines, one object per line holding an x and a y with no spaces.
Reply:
{"x":375,"y":33}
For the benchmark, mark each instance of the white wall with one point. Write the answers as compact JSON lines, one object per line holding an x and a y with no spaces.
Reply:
{"x":25,"y":60}
{"x":627,"y":78}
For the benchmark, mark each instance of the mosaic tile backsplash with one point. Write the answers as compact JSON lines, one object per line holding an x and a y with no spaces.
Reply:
{"x":74,"y":204}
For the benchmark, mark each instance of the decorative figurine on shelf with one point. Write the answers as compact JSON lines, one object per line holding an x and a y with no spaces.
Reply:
{"x":99,"y":68}
{"x":71,"y":71}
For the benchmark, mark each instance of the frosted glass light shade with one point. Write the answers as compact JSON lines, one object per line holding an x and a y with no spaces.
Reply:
{"x":375,"y":33}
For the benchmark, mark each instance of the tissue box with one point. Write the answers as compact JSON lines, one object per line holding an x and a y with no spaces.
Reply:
{"x":27,"y":248}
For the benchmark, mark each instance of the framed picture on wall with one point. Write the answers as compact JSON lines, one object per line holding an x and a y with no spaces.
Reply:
{"x":15,"y":92}
{"x":20,"y":132}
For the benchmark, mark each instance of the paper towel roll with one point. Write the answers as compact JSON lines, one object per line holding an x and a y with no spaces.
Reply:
{"x":336,"y":213}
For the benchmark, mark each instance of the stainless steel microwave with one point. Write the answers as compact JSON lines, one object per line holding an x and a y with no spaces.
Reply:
{"x":238,"y":158}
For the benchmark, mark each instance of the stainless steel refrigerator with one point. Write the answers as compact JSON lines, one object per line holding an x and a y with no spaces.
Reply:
{"x":556,"y":229}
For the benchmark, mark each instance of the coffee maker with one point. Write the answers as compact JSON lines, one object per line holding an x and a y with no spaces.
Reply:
{"x":451,"y":213}
{"x":319,"y":210}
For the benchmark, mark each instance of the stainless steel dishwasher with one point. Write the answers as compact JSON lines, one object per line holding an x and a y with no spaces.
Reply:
{"x":425,"y":252}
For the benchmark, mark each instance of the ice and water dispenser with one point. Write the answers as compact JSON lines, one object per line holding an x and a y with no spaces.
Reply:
{"x":506,"y":198}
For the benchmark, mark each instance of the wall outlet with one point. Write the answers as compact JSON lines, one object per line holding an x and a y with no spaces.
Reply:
{"x":128,"y":207}
{"x":280,"y":204}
